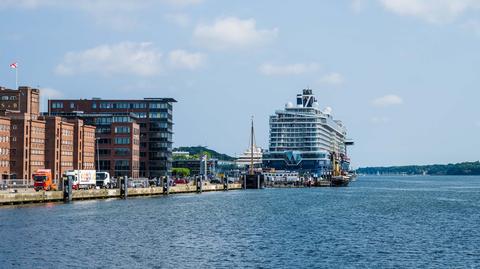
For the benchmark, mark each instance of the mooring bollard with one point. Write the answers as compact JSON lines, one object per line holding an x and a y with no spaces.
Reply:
{"x":199,"y":185}
{"x":124,"y":188}
{"x":225,"y":184}
{"x":67,"y":190}
{"x":166,"y":186}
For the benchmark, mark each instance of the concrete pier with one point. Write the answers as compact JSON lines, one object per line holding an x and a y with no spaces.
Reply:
{"x":25,"y":196}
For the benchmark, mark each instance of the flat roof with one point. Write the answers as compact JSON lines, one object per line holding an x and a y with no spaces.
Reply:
{"x":167,"y":99}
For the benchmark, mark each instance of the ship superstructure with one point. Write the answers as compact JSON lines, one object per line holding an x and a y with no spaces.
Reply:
{"x":304,"y":138}
{"x":244,"y":159}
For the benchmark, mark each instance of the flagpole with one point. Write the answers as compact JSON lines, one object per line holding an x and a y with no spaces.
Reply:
{"x":16,"y":78}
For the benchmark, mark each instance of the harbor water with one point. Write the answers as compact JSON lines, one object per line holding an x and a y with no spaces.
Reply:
{"x":376,"y":222}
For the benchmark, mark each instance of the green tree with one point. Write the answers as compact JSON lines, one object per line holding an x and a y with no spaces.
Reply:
{"x":181,"y":172}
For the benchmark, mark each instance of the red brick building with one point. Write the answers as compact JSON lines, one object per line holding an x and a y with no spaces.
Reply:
{"x":84,"y":145}
{"x":5,"y":147}
{"x":38,"y":142}
{"x":23,"y":100}
{"x":27,"y":152}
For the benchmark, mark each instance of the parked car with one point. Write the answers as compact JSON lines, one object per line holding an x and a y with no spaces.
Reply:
{"x":138,"y":183}
{"x":180,"y":181}
{"x":153,"y":182}
{"x":215,"y":181}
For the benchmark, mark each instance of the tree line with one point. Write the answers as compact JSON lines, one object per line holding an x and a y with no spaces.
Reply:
{"x":465,"y":168}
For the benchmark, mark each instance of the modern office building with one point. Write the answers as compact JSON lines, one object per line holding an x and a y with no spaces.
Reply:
{"x":39,"y":142}
{"x":302,"y":138}
{"x":134,"y":137}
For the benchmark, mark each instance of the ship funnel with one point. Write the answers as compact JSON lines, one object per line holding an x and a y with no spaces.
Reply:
{"x":299,"y":100}
{"x":308,"y":98}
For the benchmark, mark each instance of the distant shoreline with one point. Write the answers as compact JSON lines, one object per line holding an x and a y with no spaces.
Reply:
{"x":414,"y":175}
{"x":458,"y":169}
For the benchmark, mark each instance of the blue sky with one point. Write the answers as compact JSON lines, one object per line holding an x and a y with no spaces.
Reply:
{"x":401,"y":74}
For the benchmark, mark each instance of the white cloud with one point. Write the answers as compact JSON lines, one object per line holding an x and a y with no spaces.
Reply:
{"x":127,"y":58}
{"x":380,"y":120}
{"x":472,"y":26}
{"x":181,"y":3}
{"x":232,"y":32}
{"x":49,"y":93}
{"x":433,"y":11}
{"x":184,"y":59}
{"x":179,"y":19}
{"x":139,"y":59}
{"x":332,"y":78}
{"x":94,"y":4}
{"x":387,"y":100}
{"x":288,"y":69}
{"x":357,"y":5}
{"x":118,"y":14}
{"x":46,"y":94}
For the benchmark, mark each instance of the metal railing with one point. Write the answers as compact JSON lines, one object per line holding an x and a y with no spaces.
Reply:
{"x":6,"y":184}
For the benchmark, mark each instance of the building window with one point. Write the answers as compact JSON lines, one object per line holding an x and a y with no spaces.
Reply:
{"x":122,"y":165}
{"x":103,"y":121}
{"x":121,"y":119}
{"x":103,"y":152}
{"x":104,"y":165}
{"x":141,"y":115}
{"x":103,"y":130}
{"x":138,"y":105}
{"x":122,"y":151}
{"x":72,"y":105}
{"x":94,"y":105}
{"x":157,"y":115}
{"x":121,"y":105}
{"x":104,"y":141}
{"x":106,"y":105}
{"x":122,"y":140}
{"x":57,"y":105}
{"x":158,"y":105}
{"x":122,"y":130}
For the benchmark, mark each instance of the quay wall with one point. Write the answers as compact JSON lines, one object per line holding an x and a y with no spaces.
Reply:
{"x":24,"y":196}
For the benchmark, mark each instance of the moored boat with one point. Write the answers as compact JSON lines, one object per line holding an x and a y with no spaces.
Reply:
{"x":339,"y":181}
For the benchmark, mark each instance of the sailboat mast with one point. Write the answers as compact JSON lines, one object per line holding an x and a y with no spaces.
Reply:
{"x":252,"y":172}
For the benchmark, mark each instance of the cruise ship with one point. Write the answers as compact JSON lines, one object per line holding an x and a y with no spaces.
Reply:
{"x":244,"y":159}
{"x":305,"y":139}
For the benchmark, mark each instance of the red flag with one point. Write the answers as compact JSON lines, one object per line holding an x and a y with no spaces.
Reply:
{"x":14,"y":65}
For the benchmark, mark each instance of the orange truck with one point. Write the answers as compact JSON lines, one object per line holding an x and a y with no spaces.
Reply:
{"x":42,"y":180}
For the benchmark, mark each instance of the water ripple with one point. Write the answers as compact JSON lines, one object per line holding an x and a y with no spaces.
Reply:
{"x":427,"y":222}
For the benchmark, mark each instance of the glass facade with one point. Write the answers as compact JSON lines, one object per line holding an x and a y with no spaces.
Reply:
{"x":154,"y":117}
